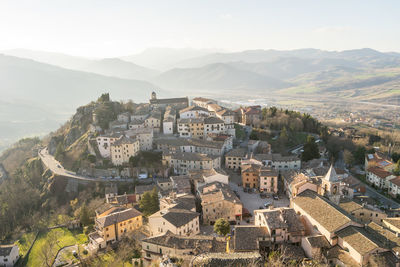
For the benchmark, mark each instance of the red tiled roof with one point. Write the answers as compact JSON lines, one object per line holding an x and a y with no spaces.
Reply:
{"x":396,"y":181}
{"x":381,"y":173}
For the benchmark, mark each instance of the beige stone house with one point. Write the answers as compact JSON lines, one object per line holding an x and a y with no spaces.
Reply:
{"x":213,"y":125}
{"x":183,"y":162}
{"x":279,"y":162}
{"x":193,"y":112}
{"x":178,"y":201}
{"x":250,"y":175}
{"x":268,"y":180}
{"x":251,"y":115}
{"x":104,"y":143}
{"x":178,"y":221}
{"x":122,"y":149}
{"x":283,"y":224}
{"x":251,"y":238}
{"x":202,"y":177}
{"x":145,"y":137}
{"x":233,"y":158}
{"x":364,"y":213}
{"x":153,"y":122}
{"x":203,"y":102}
{"x":172,"y":245}
{"x":113,"y":224}
{"x":193,"y":127}
{"x":219,"y":201}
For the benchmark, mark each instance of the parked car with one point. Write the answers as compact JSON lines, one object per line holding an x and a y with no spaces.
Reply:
{"x":261,"y":207}
{"x":142,"y":175}
{"x":276,"y":197}
{"x":267,"y":204}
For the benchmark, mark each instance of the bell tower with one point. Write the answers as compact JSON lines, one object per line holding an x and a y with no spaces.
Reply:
{"x":153,"y":96}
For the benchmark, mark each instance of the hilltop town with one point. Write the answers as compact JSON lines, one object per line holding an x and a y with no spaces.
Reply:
{"x":190,"y":182}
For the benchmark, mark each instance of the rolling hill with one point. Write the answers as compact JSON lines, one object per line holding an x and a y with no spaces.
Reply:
{"x":364,"y":57}
{"x":36,"y":97}
{"x":165,"y":58}
{"x":114,"y":67}
{"x":218,"y":78}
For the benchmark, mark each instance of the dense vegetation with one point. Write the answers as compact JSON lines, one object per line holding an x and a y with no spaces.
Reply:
{"x":278,"y":119}
{"x":149,"y":203}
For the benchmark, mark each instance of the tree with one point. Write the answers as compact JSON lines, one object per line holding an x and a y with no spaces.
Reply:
{"x":396,"y":170}
{"x":155,"y":204}
{"x":373,"y":139}
{"x":253,"y":136}
{"x":348,"y":157}
{"x":283,"y":137}
{"x":311,"y":150}
{"x":149,"y":202}
{"x":395,"y":157}
{"x":91,"y":158}
{"x":104,"y":98}
{"x":84,"y":215}
{"x":49,"y":249}
{"x":359,"y":155}
{"x":134,"y":161}
{"x":222,"y":227}
{"x":59,"y":154}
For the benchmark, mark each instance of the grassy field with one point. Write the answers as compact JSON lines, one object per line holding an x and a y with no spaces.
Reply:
{"x":25,"y":242}
{"x":67,"y":238}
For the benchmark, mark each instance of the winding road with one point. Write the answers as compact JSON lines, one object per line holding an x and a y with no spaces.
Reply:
{"x":55,"y":166}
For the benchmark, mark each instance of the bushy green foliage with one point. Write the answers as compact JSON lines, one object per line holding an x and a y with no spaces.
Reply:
{"x":104,"y":98}
{"x":59,"y":154}
{"x":84,"y":216}
{"x":91,"y":158}
{"x":396,"y":170}
{"x":277,"y":119}
{"x":149,"y":202}
{"x":311,"y":150}
{"x":222,"y":227}
{"x":239,"y":132}
{"x":359,"y":155}
{"x":395,"y":157}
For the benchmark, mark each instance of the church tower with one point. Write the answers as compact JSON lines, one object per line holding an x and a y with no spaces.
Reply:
{"x":331,"y":185}
{"x":153,"y":96}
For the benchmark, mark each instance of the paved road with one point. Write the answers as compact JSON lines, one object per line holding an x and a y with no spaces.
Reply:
{"x":253,"y":201}
{"x":382,"y":199}
{"x":55,"y":166}
{"x":62,"y":256}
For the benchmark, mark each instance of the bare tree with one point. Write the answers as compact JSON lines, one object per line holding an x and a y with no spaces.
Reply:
{"x":49,"y":249}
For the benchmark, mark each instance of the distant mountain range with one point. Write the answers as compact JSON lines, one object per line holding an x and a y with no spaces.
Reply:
{"x":218,"y":77}
{"x":36,"y":97}
{"x":166,"y":58}
{"x":114,"y":67}
{"x":364,"y":57}
{"x":58,"y":83}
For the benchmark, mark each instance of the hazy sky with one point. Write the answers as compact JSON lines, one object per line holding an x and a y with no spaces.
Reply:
{"x":102,"y":28}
